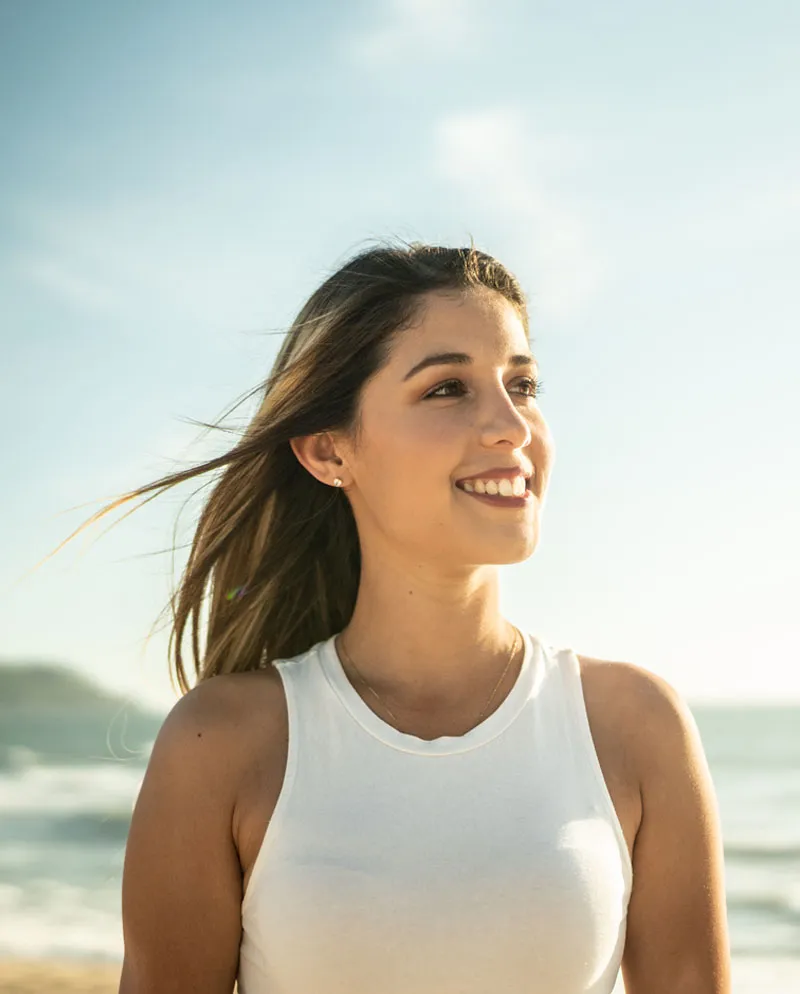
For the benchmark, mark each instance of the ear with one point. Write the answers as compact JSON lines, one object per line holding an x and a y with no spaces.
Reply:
{"x":317,"y":453}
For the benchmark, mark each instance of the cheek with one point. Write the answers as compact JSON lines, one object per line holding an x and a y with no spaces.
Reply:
{"x":409,"y":488}
{"x":421,"y":451}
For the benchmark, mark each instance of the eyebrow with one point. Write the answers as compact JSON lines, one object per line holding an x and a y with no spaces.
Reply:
{"x":462,"y":359}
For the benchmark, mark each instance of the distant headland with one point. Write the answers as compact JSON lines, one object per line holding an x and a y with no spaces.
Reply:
{"x":52,"y":714}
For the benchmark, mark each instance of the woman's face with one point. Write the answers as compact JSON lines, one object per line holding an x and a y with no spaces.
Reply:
{"x":423,"y":431}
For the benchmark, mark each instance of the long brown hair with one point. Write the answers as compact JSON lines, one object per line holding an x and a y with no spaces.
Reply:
{"x":275,"y":558}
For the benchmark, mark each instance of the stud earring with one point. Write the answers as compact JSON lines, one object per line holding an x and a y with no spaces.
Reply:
{"x":337,"y":482}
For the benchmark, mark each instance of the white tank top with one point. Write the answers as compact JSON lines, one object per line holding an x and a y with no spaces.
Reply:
{"x":472,"y":864}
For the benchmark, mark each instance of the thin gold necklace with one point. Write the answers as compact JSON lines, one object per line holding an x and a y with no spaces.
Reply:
{"x":385,"y":705}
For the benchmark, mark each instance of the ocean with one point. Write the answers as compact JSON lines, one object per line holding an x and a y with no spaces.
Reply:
{"x":65,"y":812}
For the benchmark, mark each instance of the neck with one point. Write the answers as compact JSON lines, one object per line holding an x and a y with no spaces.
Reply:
{"x":430,"y":644}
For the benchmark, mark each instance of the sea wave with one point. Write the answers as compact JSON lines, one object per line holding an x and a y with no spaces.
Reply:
{"x":784,"y":906}
{"x":84,"y":827}
{"x":763,"y":850}
{"x":47,"y":790}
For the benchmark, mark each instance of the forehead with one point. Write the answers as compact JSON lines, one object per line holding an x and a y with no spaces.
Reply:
{"x":482,"y":319}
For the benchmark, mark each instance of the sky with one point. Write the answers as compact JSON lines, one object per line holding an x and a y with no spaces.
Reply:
{"x":178,"y":177}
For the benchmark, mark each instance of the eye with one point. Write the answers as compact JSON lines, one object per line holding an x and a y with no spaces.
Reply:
{"x":535,"y":388}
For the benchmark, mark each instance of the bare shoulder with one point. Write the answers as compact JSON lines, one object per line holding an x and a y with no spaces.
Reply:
{"x":221,"y":724}
{"x":642,"y":699}
{"x":228,"y":700}
{"x":645,"y":715}
{"x":625,"y":677}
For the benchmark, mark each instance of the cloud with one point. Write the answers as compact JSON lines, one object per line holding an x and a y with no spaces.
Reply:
{"x":417,"y":29}
{"x":500,"y":166}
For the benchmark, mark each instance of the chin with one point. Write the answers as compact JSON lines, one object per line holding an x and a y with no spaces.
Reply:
{"x":506,"y":553}
{"x":521,"y":556}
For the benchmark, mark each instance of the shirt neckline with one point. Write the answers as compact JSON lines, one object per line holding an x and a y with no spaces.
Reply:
{"x":498,"y":721}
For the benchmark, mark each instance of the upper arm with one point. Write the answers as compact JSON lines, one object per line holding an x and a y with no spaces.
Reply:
{"x":181,"y":887}
{"x":677,"y":933}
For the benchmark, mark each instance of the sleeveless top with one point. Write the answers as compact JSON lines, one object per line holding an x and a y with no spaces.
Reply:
{"x":471,"y":864}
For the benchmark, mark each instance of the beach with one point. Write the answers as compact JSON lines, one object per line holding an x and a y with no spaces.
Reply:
{"x":750,"y":976}
{"x":33,"y":977}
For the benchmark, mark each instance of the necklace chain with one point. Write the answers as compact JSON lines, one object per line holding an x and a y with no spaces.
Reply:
{"x":385,"y":705}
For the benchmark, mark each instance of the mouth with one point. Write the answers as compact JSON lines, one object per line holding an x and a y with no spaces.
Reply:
{"x":460,"y":485}
{"x":500,"y":500}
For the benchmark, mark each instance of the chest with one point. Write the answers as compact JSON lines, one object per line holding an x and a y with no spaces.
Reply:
{"x":262,"y":786}
{"x":442,"y":878}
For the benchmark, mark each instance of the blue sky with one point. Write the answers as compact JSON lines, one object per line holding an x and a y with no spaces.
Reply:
{"x":177,"y":178}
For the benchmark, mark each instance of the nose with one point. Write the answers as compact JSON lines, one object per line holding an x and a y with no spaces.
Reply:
{"x":501,"y":420}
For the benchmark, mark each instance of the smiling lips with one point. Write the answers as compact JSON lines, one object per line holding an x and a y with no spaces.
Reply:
{"x":499,"y":481}
{"x":502,"y":487}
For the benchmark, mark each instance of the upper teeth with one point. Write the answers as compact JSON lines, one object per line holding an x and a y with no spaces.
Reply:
{"x":504,"y":487}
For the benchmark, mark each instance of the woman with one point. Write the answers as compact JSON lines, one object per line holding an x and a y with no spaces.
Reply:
{"x":378,"y":783}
